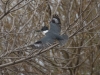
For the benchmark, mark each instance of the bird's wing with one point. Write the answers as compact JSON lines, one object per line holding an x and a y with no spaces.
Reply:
{"x":55,"y":24}
{"x":44,"y":42}
{"x":62,"y":39}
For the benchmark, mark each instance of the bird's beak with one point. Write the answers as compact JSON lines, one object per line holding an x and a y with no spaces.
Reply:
{"x":38,"y":30}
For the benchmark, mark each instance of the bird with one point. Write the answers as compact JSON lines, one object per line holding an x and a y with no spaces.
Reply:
{"x":44,"y":30}
{"x":51,"y":34}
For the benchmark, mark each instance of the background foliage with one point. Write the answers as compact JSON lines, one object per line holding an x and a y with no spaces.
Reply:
{"x":19,"y":20}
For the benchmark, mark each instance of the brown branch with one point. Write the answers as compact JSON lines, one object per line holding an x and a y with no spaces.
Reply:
{"x":84,"y":26}
{"x":10,"y":10}
{"x":29,"y":57}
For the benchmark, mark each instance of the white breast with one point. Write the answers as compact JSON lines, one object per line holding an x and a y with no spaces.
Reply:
{"x":44,"y":32}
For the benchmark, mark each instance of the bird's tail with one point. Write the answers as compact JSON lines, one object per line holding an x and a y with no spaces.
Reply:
{"x":31,"y":46}
{"x":64,"y":40}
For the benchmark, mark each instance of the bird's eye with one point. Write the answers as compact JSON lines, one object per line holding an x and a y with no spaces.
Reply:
{"x":38,"y":42}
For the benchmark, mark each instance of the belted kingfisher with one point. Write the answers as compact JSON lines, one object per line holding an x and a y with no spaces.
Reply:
{"x":51,"y":34}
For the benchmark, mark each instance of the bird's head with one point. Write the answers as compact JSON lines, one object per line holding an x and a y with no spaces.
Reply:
{"x":44,"y":30}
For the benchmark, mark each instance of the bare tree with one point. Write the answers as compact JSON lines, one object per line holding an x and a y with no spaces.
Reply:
{"x":19,"y":20}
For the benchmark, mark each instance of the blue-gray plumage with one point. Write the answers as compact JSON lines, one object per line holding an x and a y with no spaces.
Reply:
{"x":55,"y":25}
{"x":51,"y":35}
